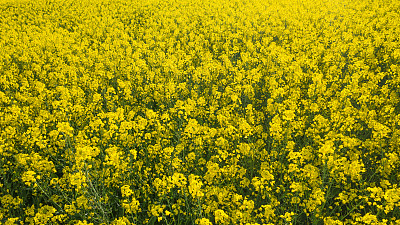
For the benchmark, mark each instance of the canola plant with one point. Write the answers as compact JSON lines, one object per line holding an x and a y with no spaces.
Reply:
{"x":243,"y":112}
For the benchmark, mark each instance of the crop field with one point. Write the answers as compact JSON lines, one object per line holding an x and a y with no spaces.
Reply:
{"x":208,"y":112}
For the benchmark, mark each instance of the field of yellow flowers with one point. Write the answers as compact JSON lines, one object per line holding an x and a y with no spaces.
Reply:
{"x":243,"y":112}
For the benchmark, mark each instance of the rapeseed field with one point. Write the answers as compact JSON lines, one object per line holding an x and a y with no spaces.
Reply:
{"x":243,"y":112}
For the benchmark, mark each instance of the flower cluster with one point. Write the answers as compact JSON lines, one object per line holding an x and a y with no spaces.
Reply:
{"x":204,"y":112}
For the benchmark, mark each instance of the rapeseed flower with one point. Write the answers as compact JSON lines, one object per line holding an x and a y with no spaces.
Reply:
{"x":206,"y":112}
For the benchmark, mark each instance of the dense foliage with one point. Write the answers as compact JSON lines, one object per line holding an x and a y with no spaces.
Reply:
{"x":200,"y":112}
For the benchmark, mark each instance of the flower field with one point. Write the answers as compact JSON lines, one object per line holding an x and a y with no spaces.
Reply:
{"x":243,"y":112}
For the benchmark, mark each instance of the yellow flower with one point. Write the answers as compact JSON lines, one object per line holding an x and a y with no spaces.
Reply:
{"x":276,"y":129}
{"x":44,"y":214}
{"x":331,"y":221}
{"x":327,"y":148}
{"x":288,"y":115}
{"x":288,"y":216}
{"x":11,"y":221}
{"x":131,"y":206}
{"x":126,"y":191}
{"x":29,"y":177}
{"x":195,"y":186}
{"x":221,"y":216}
{"x":83,"y":223}
{"x":178,"y":180}
{"x":78,"y":179}
{"x":82,"y":202}
{"x":203,"y":221}
{"x":65,"y":129}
